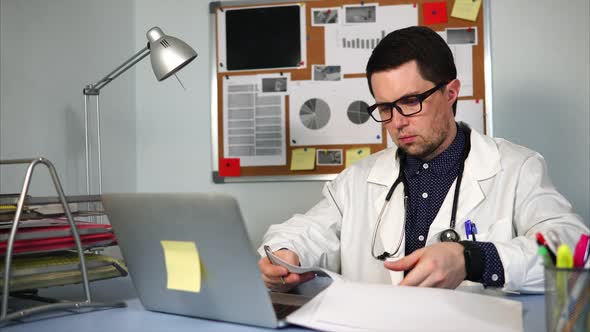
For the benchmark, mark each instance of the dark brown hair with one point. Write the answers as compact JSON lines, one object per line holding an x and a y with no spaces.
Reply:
{"x":428,"y":48}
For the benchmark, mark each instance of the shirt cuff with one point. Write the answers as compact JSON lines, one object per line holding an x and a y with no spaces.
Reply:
{"x":493,"y":269}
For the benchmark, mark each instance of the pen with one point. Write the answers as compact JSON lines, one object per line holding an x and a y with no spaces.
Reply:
{"x":553,"y":240}
{"x":468,"y":230}
{"x":473,"y":231}
{"x":267,"y":250}
{"x":541,"y":242}
{"x":544,"y":253}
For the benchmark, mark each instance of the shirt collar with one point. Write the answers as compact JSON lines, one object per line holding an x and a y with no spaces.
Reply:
{"x":441,"y":164}
{"x":483,"y":162}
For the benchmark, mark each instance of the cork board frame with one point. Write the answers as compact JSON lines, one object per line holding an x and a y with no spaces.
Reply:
{"x":315,"y":55}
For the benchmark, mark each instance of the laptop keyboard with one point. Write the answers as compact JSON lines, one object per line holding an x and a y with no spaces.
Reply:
{"x":283,"y":310}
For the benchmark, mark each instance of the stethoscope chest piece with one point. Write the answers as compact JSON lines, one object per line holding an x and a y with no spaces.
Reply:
{"x":449,"y":235}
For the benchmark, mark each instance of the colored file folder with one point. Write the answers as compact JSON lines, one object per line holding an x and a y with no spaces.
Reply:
{"x":40,"y":229}
{"x":59,"y":243}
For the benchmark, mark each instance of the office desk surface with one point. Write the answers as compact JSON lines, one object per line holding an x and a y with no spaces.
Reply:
{"x":135,"y":318}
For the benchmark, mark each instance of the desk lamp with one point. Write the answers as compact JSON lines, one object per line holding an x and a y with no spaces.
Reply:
{"x":167,"y":54}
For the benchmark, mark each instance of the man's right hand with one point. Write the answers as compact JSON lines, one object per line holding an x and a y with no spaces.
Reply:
{"x":278,"y":278}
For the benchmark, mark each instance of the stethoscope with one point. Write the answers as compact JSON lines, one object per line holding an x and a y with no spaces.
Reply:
{"x":448,"y":235}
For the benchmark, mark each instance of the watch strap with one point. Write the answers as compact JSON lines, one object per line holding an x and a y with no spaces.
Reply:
{"x":473,"y":261}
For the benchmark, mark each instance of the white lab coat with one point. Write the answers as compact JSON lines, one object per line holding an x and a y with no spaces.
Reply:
{"x":505,"y":190}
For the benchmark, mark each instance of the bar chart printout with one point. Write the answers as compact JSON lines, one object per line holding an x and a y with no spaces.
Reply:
{"x":366,"y":43}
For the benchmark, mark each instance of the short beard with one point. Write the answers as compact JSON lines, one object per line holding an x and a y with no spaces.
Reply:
{"x":427,"y":151}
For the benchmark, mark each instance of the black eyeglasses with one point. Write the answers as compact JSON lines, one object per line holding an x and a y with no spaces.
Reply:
{"x":406,"y":106}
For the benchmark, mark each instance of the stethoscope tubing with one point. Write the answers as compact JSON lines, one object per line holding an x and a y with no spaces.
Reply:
{"x":401,"y":179}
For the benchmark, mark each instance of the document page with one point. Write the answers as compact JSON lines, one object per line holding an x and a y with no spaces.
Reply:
{"x":350,"y":306}
{"x":276,"y":260}
{"x":353,"y":306}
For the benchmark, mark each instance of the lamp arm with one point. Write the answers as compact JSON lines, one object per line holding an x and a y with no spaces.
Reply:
{"x":94,"y":89}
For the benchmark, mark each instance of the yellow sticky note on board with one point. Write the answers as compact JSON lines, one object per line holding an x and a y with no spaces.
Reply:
{"x":466,"y":9}
{"x":183,"y":266}
{"x":355,"y":154}
{"x":302,"y":159}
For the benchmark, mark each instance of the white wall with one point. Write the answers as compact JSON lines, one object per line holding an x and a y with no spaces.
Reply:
{"x":49,"y":50}
{"x":530,"y":83}
{"x":157,"y":136}
{"x":541,"y":90}
{"x":174,"y":126}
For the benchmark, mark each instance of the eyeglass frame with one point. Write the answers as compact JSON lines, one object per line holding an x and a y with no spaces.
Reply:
{"x":421,"y":97}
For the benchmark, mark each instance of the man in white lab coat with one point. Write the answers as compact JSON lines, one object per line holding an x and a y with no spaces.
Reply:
{"x":420,"y":233}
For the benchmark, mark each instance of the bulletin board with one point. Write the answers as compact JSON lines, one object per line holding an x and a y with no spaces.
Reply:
{"x":299,"y":113}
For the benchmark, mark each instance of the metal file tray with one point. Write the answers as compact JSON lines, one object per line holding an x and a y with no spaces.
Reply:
{"x":15,"y":209}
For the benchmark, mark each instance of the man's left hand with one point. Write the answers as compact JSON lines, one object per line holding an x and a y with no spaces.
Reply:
{"x":440,"y":265}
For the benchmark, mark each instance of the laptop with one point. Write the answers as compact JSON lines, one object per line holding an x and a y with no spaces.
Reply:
{"x":232,"y":289}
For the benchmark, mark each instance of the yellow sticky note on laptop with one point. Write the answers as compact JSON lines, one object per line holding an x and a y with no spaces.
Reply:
{"x":302,"y":159}
{"x":466,"y":9}
{"x":355,"y":154}
{"x":183,"y":265}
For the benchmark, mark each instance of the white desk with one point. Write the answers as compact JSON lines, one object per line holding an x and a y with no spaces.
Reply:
{"x":135,"y":318}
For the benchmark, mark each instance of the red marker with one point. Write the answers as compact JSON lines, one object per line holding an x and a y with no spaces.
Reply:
{"x":541,"y":240}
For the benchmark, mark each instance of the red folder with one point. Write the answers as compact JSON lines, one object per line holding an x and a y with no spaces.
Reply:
{"x":59,"y":243}
{"x":48,"y":229}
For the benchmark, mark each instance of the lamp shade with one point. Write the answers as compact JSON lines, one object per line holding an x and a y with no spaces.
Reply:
{"x":167,"y":54}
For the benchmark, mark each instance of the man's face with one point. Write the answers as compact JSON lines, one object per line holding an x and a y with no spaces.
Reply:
{"x":428,"y":133}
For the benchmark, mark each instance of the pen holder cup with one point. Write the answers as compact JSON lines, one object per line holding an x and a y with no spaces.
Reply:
{"x":567,"y":299}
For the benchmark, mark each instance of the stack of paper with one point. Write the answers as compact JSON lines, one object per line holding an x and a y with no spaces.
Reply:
{"x":352,"y":306}
{"x":59,"y":269}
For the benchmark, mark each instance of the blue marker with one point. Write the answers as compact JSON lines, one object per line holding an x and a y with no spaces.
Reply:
{"x":468,"y":228}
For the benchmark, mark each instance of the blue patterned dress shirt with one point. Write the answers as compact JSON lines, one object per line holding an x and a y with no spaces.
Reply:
{"x":428,"y":184}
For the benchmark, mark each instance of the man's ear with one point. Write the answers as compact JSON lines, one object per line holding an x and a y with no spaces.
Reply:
{"x":452,"y":90}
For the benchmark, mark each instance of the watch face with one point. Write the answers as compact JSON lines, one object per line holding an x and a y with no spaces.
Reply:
{"x":449,"y":235}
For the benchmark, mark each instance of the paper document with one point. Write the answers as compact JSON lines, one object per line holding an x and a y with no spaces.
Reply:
{"x":254,"y":120}
{"x":350,"y":45}
{"x":276,"y":260}
{"x":351,"y":306}
{"x":354,"y":306}
{"x":332,"y":113}
{"x":471,"y":112}
{"x":463,"y":56}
